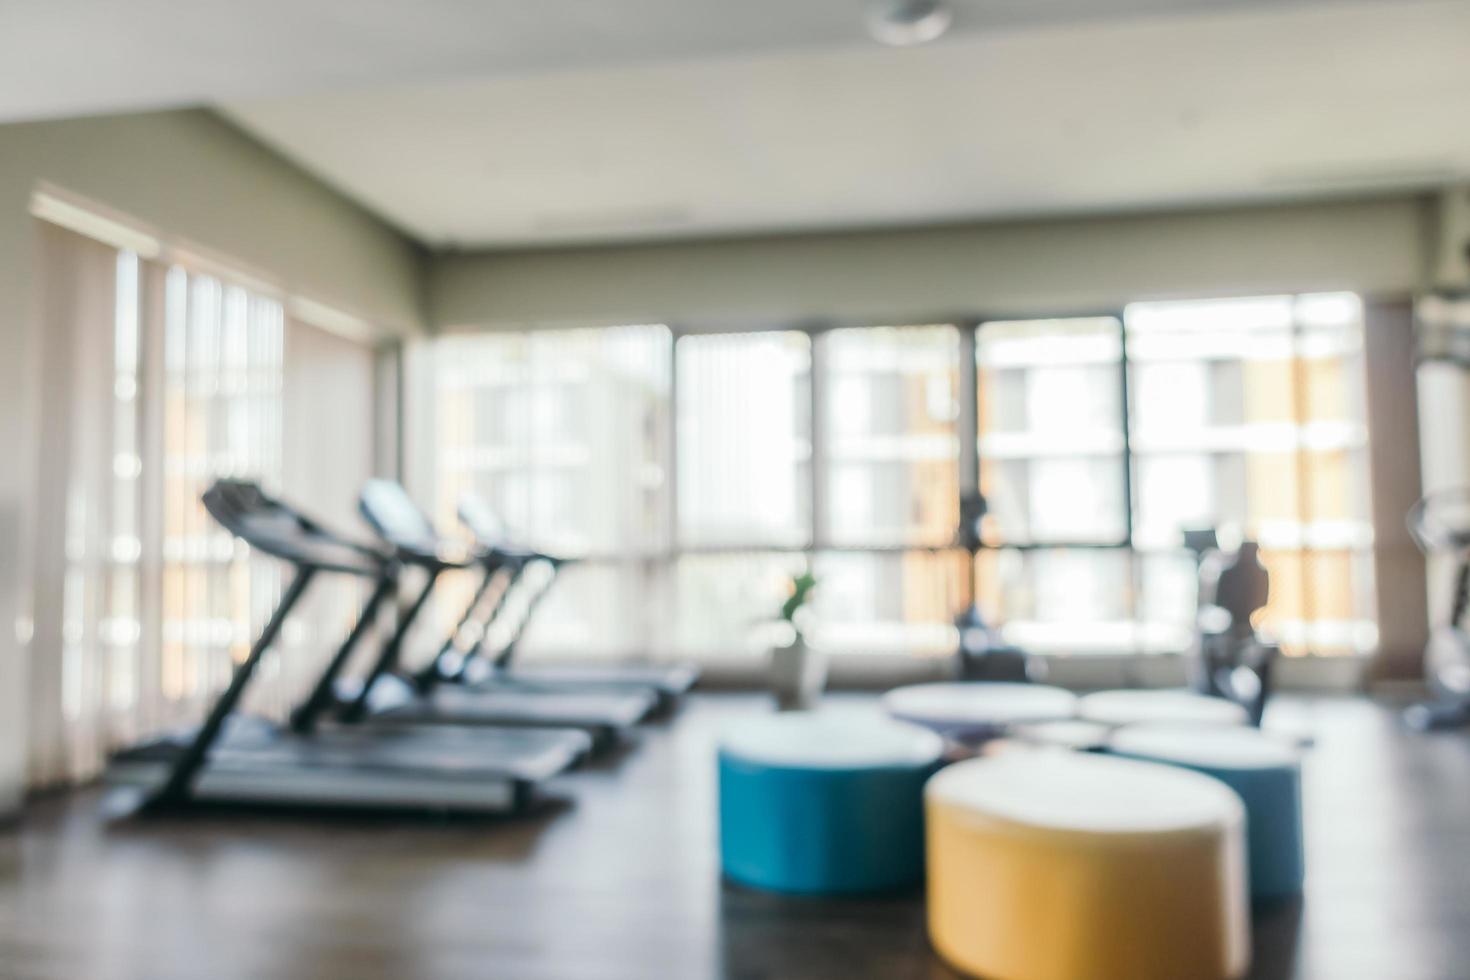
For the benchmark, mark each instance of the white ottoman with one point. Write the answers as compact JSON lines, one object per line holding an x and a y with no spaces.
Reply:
{"x":978,"y":709}
{"x":1082,"y":736}
{"x":1175,"y":707}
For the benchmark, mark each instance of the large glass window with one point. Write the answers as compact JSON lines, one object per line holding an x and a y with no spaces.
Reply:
{"x":222,"y":394}
{"x":177,"y":377}
{"x":700,"y":471}
{"x":1051,"y":431}
{"x":744,"y":440}
{"x":890,"y":440}
{"x":725,"y":602}
{"x":120,"y":630}
{"x":564,"y":432}
{"x":889,"y":601}
{"x":1248,"y":414}
{"x":888,"y":488}
{"x":1063,"y":600}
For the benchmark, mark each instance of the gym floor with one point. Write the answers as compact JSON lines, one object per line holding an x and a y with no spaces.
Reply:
{"x":620,"y":881}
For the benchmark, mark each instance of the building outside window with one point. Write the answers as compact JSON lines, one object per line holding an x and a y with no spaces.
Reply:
{"x":694,"y":472}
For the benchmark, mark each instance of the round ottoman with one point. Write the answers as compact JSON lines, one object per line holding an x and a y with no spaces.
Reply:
{"x":1081,"y":736}
{"x":824,"y":802}
{"x":1063,"y":865}
{"x":1130,"y":707}
{"x":1264,"y":771}
{"x":979,"y":709}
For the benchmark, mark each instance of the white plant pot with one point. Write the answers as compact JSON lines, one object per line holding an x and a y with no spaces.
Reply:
{"x":798,"y":675}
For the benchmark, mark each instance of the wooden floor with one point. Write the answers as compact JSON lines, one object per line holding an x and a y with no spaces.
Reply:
{"x":621,"y":881}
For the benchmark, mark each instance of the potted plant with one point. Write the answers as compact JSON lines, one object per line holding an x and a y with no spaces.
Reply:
{"x":798,"y":672}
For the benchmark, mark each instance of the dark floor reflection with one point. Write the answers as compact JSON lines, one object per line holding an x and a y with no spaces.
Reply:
{"x":1277,"y":927}
{"x":765,"y":936}
{"x":623,"y":883}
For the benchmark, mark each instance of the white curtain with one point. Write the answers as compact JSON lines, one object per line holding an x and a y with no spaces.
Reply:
{"x":157,"y":380}
{"x":74,"y":671}
{"x":330,"y":384}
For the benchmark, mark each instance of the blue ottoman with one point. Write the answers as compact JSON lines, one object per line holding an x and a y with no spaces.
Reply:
{"x":824,"y":802}
{"x":1265,"y":772}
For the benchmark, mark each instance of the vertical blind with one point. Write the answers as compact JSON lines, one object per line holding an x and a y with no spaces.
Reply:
{"x":159,"y":380}
{"x":565,"y":434}
{"x":222,"y":390}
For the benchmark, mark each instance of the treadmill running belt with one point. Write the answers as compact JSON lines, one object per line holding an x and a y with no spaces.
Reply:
{"x":510,"y":703}
{"x":428,"y":752}
{"x":672,"y":680}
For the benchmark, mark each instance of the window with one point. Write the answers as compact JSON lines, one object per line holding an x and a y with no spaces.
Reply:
{"x":566,"y":434}
{"x":744,"y":440}
{"x":1068,"y":600}
{"x":171,"y":378}
{"x":888,"y":405}
{"x":217,"y":403}
{"x":889,"y":601}
{"x":222,"y":392}
{"x":890,"y":440}
{"x":100,"y":602}
{"x":1096,"y":439}
{"x":1051,"y":431}
{"x":722,"y":600}
{"x":1248,"y":414}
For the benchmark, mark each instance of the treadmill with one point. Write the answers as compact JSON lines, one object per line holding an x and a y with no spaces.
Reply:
{"x":670,"y":682}
{"x":235,"y":760}
{"x":390,"y":695}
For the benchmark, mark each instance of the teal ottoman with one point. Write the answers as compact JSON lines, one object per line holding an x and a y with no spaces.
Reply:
{"x":824,"y":803}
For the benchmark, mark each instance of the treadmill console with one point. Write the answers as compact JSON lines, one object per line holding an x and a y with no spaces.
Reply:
{"x":481,"y":519}
{"x":393,"y":514}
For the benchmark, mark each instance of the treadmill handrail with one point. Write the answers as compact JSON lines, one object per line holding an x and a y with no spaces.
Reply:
{"x":279,"y":530}
{"x":403,"y":526}
{"x":449,"y":662}
{"x":179,"y":785}
{"x":323,"y":693}
{"x":388,"y":656}
{"x":272,"y":526}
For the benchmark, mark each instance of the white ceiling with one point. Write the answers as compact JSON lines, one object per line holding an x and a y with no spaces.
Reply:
{"x":68,"y":57}
{"x":498,"y":123}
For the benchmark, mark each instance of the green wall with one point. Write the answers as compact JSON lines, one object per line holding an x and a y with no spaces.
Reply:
{"x":1374,"y":246}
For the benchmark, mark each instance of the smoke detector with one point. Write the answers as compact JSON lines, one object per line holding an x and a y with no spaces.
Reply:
{"x":905,"y":23}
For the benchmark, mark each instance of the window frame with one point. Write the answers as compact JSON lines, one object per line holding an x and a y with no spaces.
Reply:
{"x":969,"y":461}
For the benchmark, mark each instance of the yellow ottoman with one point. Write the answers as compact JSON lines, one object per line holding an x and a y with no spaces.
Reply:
{"x":1049,"y":865}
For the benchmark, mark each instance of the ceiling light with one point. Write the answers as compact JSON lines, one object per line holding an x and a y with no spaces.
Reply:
{"x":904,"y":23}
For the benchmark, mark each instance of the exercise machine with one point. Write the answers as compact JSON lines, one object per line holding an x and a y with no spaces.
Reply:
{"x":238,"y":760}
{"x":1440,"y":525}
{"x":983,"y":655}
{"x":390,"y":694}
{"x":537,"y":572}
{"x":1440,"y":522}
{"x":1230,"y":659}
